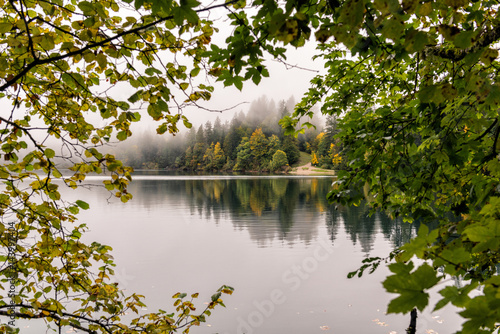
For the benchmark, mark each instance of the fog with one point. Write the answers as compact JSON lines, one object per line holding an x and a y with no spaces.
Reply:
{"x":285,"y":81}
{"x":288,"y":81}
{"x":146,"y":149}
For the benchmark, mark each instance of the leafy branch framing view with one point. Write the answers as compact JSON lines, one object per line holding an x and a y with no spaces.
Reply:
{"x":413,"y":84}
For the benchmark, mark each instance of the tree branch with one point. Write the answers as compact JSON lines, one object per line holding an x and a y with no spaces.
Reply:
{"x":49,"y":314}
{"x":37,"y":61}
{"x":487,"y":38}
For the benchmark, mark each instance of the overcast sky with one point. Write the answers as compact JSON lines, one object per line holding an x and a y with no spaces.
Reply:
{"x":283,"y":82}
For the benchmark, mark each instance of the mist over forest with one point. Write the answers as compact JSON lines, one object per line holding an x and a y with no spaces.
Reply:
{"x":249,"y":141}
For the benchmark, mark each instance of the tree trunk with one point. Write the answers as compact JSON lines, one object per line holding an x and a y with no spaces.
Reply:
{"x":412,"y":329}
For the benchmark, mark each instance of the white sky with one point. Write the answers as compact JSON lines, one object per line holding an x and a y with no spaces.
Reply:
{"x":283,"y":82}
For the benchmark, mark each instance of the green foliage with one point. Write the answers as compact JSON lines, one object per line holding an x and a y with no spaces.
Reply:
{"x":259,"y":146}
{"x":236,"y":153}
{"x":410,"y":286}
{"x":77,"y":74}
{"x":214,"y":158}
{"x":279,"y":160}
{"x":415,"y":88}
{"x":244,"y":160}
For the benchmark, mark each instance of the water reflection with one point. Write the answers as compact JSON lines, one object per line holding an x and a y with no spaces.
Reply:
{"x":286,"y":209}
{"x":194,"y":233}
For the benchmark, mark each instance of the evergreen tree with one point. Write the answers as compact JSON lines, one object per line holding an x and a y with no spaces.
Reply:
{"x":191,"y":137}
{"x":189,"y":162}
{"x":198,"y":153}
{"x":209,"y":133}
{"x":290,"y":145}
{"x":200,"y":135}
{"x":244,"y":158}
{"x":232,"y":140}
{"x":219,"y":131}
{"x":331,"y":126}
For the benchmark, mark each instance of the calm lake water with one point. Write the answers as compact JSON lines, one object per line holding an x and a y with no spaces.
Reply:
{"x":275,"y":239}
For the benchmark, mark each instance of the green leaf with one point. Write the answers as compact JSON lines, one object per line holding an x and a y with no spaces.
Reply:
{"x":5,"y":27}
{"x":47,"y":42}
{"x":464,"y":39}
{"x":102,"y":60}
{"x":82,"y":204}
{"x":419,"y":245}
{"x":410,"y":286}
{"x":393,"y":29}
{"x":407,"y":301}
{"x":352,"y":13}
{"x":86,"y":7}
{"x":185,"y":12}
{"x":122,"y":135}
{"x":416,"y":41}
{"x":457,"y":296}
{"x":56,"y":173}
{"x":135,"y":97}
{"x":186,"y":122}
{"x":238,"y":82}
{"x":430,"y":94}
{"x":152,"y":71}
{"x":49,"y":153}
{"x":138,"y":3}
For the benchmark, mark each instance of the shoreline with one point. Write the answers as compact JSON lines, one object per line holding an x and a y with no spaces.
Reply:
{"x":310,"y":170}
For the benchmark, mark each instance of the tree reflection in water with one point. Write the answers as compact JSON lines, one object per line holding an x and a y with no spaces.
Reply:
{"x":275,"y":208}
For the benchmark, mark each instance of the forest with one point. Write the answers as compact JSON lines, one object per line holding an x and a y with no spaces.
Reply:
{"x":251,"y":141}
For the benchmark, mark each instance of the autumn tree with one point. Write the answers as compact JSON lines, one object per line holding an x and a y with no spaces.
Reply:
{"x":334,"y":154}
{"x":259,"y":147}
{"x":75,"y":75}
{"x":214,"y":157}
{"x":219,"y":157}
{"x":208,"y":157}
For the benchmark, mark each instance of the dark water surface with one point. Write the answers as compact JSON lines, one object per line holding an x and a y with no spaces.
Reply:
{"x":275,"y":240}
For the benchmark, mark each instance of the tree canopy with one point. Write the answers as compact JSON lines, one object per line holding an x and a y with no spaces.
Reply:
{"x":413,"y":83}
{"x":415,"y":86}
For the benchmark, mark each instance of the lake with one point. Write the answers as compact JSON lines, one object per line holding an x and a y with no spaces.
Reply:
{"x":274,"y":239}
